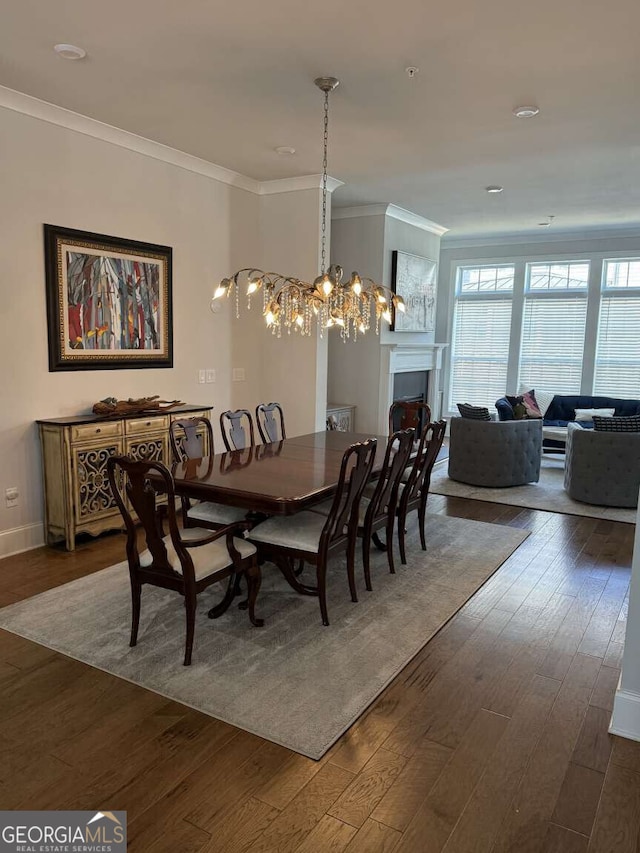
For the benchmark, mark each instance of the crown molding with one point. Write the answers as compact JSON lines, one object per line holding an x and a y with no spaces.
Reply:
{"x":304,"y":182}
{"x":53,"y":114}
{"x":394,"y":212}
{"x":599,"y":233}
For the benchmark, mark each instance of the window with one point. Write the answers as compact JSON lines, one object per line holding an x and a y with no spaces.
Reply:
{"x":553,"y":326}
{"x":481,"y":331}
{"x":617,"y":367}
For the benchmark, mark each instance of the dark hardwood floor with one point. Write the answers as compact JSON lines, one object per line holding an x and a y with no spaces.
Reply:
{"x":494,"y":738}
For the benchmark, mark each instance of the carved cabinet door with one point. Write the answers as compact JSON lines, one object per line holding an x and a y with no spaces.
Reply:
{"x":92,"y":496}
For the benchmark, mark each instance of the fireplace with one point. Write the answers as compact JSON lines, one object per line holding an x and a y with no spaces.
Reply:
{"x":410,"y":373}
{"x":410,"y":387}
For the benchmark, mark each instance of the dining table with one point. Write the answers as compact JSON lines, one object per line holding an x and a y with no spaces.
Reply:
{"x":280,"y":478}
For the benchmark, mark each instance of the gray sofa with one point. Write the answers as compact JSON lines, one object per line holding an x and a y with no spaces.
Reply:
{"x":602,"y":468}
{"x":495,"y":453}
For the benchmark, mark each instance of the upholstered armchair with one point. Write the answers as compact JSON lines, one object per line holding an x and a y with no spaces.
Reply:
{"x":495,"y":453}
{"x":602,"y":468}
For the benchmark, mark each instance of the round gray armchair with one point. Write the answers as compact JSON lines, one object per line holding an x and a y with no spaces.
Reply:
{"x":495,"y":453}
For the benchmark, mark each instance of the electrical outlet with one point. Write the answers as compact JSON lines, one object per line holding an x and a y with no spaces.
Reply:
{"x":12,"y":496}
{"x":238,"y":374}
{"x":202,"y":378}
{"x":211,"y":375}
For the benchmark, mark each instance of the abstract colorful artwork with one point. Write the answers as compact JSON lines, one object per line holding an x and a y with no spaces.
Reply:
{"x":108,"y":301}
{"x":415,"y":279}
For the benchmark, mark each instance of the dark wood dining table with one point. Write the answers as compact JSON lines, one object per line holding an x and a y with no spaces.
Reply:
{"x":281,"y":478}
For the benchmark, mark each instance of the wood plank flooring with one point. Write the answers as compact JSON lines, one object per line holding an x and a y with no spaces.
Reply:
{"x":492,"y":740}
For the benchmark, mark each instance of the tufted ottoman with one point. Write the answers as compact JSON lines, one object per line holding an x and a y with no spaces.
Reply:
{"x":495,"y":453}
{"x":602,"y":468}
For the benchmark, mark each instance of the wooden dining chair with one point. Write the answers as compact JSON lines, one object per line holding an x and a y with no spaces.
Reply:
{"x":414,"y":493}
{"x":186,"y":562}
{"x":314,"y":538}
{"x":270,"y":420}
{"x":190,"y":438}
{"x":379,"y":511}
{"x":237,"y":429}
{"x":408,"y":415}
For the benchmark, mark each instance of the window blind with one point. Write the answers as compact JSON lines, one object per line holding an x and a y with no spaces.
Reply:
{"x":552,"y":343}
{"x":480,"y":351}
{"x":617,"y":368}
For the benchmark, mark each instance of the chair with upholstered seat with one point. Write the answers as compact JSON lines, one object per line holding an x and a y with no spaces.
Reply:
{"x":186,"y":562}
{"x":380,"y":500}
{"x":237,"y":429}
{"x":270,"y":420}
{"x":313,"y":537}
{"x":414,"y":493}
{"x":188,"y":442}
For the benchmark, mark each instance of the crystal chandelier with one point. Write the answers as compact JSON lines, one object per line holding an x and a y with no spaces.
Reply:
{"x":297,"y":305}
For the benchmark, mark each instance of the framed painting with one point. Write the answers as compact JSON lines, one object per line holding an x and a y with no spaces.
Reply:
{"x":415,"y":279}
{"x":108,"y":301}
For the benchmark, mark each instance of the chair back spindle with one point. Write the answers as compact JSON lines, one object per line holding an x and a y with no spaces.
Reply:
{"x":187,"y":438}
{"x":270,"y":420}
{"x":237,"y":429}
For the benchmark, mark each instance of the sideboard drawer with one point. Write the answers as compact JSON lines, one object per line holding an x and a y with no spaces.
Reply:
{"x":137,"y":425}
{"x":106,"y":429}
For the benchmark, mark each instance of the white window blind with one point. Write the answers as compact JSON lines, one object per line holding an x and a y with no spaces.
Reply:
{"x":617,"y":368}
{"x":481,"y":330}
{"x":553,"y":327}
{"x":553,"y":343}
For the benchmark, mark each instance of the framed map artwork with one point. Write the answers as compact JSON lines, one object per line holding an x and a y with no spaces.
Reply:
{"x":414,"y":279}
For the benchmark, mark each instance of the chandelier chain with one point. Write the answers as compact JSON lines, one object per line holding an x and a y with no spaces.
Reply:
{"x":327,"y":300}
{"x":324,"y":182}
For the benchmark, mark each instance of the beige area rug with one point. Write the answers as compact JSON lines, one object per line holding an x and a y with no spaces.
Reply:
{"x":547,"y":494}
{"x":293,"y":681}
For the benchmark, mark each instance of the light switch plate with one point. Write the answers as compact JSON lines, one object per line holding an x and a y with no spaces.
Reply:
{"x":238,"y":374}
{"x":211,"y":375}
{"x":202,"y":377}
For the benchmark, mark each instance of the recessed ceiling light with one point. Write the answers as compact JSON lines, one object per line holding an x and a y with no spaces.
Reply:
{"x":70,"y":51}
{"x":548,"y":223}
{"x":494,"y":189}
{"x":285,"y":149}
{"x":526,"y":112}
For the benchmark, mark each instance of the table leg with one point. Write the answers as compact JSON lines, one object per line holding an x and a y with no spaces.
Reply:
{"x":285,"y":564}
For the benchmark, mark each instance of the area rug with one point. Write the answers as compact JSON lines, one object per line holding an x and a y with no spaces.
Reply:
{"x":547,"y":494}
{"x":293,"y":681}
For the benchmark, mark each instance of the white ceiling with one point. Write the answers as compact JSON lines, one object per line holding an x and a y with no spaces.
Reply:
{"x":229,"y":82}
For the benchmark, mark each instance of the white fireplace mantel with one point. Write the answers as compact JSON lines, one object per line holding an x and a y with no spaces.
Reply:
{"x":401,"y":358}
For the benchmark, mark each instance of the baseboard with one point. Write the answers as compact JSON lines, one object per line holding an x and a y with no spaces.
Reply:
{"x":21,"y":539}
{"x":625,"y":720}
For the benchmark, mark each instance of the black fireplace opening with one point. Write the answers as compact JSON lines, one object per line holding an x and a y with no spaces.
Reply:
{"x":410,"y":387}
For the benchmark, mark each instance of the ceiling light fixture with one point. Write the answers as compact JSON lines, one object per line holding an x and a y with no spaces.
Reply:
{"x":284,"y":150}
{"x":548,"y":223}
{"x":69,"y":51}
{"x":526,"y":112}
{"x":295,"y":304}
{"x":494,"y":188}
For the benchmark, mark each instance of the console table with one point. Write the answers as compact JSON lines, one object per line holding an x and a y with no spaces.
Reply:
{"x":77,"y":495}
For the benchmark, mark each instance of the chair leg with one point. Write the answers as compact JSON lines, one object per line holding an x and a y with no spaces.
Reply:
{"x":390,"y":523}
{"x":190,"y":606}
{"x":351,"y":568}
{"x":422,"y":511}
{"x":254,"y":579}
{"x":136,"y":590}
{"x":321,"y":574}
{"x":402,"y":520}
{"x":366,"y":555}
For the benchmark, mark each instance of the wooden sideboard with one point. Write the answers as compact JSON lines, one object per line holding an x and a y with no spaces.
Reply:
{"x":344,"y":414}
{"x":77,"y":495}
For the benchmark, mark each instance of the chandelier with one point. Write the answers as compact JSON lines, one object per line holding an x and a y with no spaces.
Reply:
{"x":293,"y":304}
